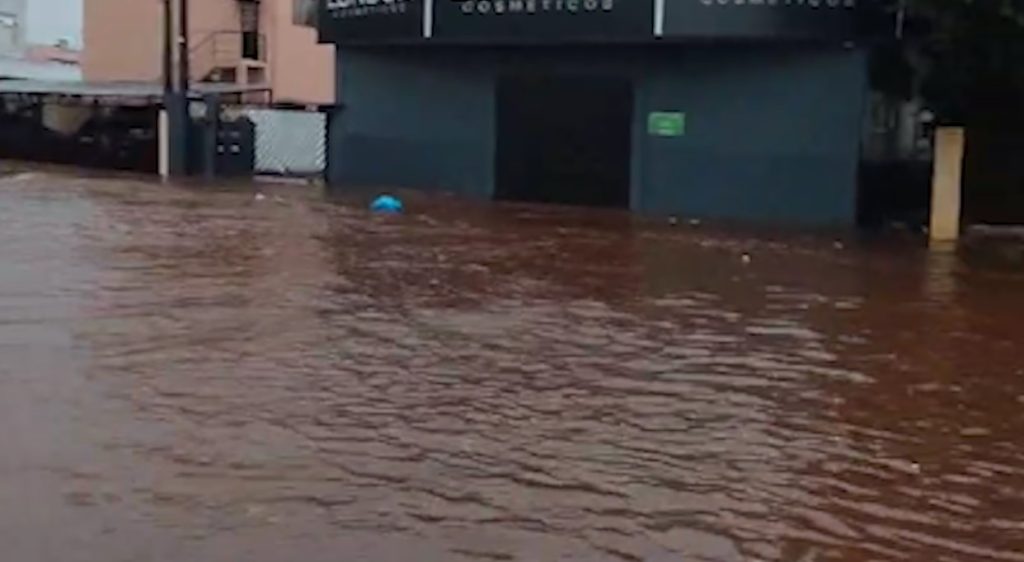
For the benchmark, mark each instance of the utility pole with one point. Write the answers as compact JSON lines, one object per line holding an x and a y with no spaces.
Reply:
{"x":183,"y":53}
{"x":168,"y":54}
{"x":174,"y":127}
{"x":165,"y":158}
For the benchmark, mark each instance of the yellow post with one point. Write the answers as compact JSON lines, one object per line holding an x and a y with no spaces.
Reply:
{"x":947,"y":182}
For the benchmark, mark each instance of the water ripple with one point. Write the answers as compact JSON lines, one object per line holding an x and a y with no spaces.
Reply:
{"x":192,"y":375}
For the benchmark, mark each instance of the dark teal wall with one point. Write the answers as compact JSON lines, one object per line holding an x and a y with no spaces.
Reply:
{"x":412,"y":122}
{"x":771,"y":136}
{"x":772,"y":133}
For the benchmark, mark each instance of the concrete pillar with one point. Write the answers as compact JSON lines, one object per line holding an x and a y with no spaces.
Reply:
{"x":178,"y":123}
{"x":164,"y":144}
{"x":947,"y":184}
{"x":332,"y":116}
{"x":211,"y":122}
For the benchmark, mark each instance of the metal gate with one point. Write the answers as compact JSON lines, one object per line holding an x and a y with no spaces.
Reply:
{"x":289,"y":142}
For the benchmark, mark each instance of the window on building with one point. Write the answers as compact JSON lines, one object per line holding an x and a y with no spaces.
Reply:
{"x":250,"y":14}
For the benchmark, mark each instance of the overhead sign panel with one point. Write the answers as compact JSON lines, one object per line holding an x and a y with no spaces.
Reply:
{"x":370,"y":21}
{"x":589,"y":21}
{"x":724,"y":19}
{"x":542,"y":20}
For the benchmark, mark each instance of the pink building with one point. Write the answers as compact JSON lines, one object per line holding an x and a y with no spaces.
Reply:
{"x":245,"y":42}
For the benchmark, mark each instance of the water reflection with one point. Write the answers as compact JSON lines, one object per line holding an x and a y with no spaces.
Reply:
{"x":290,"y":378}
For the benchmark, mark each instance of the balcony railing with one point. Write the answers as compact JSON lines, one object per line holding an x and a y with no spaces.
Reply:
{"x":220,"y":50}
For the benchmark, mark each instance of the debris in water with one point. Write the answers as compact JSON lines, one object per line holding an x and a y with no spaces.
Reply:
{"x":23,"y":176}
{"x":745,"y":258}
{"x":810,"y":556}
{"x":386,"y":204}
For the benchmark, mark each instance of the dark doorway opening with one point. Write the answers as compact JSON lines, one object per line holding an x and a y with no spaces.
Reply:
{"x":564,"y":139}
{"x":251,"y":45}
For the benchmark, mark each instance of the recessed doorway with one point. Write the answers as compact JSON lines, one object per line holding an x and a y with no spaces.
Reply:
{"x":564,"y":140}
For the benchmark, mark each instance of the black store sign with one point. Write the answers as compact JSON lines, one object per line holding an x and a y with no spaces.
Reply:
{"x":370,"y":21}
{"x":763,"y":18}
{"x":543,"y":20}
{"x":526,"y":21}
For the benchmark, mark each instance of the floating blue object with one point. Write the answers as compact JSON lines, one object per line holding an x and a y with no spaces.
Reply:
{"x":386,"y":204}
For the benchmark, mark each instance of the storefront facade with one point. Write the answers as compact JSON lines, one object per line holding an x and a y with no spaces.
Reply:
{"x":719,"y":109}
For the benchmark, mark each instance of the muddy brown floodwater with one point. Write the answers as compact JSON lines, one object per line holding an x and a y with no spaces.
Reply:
{"x":188,"y":376}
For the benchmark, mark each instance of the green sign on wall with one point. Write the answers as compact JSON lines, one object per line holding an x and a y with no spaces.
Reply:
{"x":666,"y":123}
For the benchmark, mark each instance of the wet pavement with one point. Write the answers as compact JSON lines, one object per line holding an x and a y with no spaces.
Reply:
{"x":196,"y":376}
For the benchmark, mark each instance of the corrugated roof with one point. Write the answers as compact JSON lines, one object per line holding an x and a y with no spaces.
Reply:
{"x":25,"y":69}
{"x":139,"y":90}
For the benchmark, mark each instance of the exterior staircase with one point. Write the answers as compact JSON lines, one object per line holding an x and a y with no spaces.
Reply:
{"x":229,"y":57}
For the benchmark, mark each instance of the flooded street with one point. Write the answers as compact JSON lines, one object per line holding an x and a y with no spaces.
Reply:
{"x":190,"y":376}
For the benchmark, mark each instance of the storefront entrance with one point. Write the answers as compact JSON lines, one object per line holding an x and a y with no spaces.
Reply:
{"x":564,"y":140}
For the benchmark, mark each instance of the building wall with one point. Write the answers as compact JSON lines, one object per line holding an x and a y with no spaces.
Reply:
{"x":22,"y":58}
{"x":772,"y":133}
{"x":116,"y":51}
{"x":302,"y":69}
{"x":54,"y":22}
{"x":414,"y":121}
{"x":13,"y":21}
{"x":298,"y":69}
